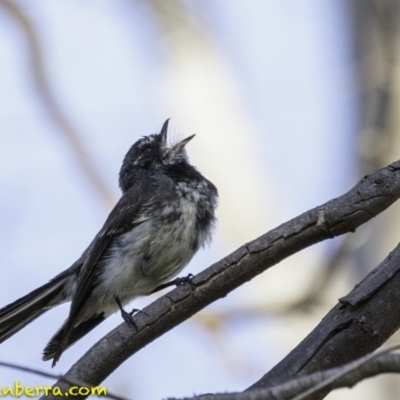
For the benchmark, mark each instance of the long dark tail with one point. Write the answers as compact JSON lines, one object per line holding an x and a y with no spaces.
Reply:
{"x":21,"y":312}
{"x":63,"y":339}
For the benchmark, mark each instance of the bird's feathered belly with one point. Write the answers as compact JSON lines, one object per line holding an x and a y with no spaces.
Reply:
{"x":151,"y":253}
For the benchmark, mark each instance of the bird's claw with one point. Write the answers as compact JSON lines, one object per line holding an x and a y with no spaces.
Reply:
{"x":127,"y":316}
{"x":185,"y":279}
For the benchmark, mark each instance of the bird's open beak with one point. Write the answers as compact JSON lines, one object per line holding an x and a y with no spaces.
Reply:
{"x":164,"y":131}
{"x":179,"y":146}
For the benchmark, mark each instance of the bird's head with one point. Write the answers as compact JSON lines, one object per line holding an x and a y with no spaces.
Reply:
{"x":152,"y":152}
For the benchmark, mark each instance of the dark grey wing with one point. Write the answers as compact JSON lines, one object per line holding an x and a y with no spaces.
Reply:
{"x":124,"y":217}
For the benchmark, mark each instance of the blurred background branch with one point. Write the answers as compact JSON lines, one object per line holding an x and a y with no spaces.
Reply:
{"x":46,"y":94}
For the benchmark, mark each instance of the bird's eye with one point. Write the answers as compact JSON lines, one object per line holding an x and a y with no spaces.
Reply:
{"x":149,"y":149}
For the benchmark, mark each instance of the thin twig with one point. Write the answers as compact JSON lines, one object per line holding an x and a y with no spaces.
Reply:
{"x":54,"y":376}
{"x":346,"y":369}
{"x":357,"y":371}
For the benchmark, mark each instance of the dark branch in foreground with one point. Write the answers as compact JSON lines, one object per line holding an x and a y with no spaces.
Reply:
{"x":372,"y":195}
{"x":347,"y":375}
{"x":357,"y":325}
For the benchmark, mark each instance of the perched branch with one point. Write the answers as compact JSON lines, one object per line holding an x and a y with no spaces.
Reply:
{"x":369,"y":197}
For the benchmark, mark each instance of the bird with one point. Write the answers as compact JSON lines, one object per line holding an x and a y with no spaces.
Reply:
{"x":165,"y":214}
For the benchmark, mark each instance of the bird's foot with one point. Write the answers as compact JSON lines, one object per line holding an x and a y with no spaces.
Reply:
{"x":184,"y":279}
{"x":175,"y":282}
{"x":127,"y":316}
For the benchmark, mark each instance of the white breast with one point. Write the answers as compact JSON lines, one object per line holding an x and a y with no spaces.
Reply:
{"x":152,"y":253}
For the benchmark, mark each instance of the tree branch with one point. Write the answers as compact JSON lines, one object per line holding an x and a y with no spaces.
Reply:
{"x":369,"y":197}
{"x":347,"y":375}
{"x":357,"y":325}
